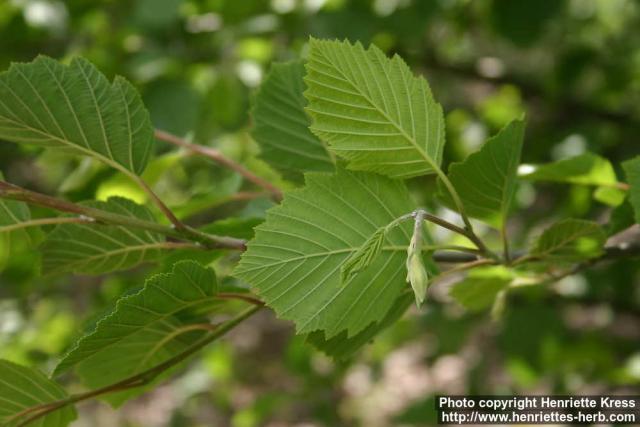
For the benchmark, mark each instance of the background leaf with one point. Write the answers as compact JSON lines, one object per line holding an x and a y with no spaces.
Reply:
{"x":12,"y":212}
{"x":479,"y":289}
{"x":281,"y":126}
{"x":632,"y":170}
{"x":372,"y":110}
{"x":485,"y":181}
{"x":585,"y":169}
{"x":75,"y":107}
{"x":294,"y":261}
{"x":570,"y":240}
{"x":96,"y":248}
{"x":22,"y":388}
{"x":145,"y":329}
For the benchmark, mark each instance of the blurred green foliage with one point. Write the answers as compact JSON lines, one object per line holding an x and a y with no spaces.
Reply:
{"x":571,"y":66}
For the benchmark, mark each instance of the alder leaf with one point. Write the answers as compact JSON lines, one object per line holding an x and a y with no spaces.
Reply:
{"x":342,"y":347}
{"x":145,"y":329}
{"x":372,"y":110}
{"x":485,"y":180}
{"x":75,"y":107}
{"x":294,"y":261}
{"x":632,"y":171}
{"x":480,"y":288}
{"x":570,"y":240}
{"x":281,"y":126}
{"x":585,"y":169}
{"x":22,"y":388}
{"x":92,"y":248}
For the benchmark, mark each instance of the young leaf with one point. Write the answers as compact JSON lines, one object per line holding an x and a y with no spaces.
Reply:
{"x":585,"y":169}
{"x":364,"y":256}
{"x":145,"y":329}
{"x":486,"y":179}
{"x":570,"y":240}
{"x":281,"y":126}
{"x":22,"y":388}
{"x":294,"y":261}
{"x":342,"y":347}
{"x":480,"y":288}
{"x":96,"y":248}
{"x":372,"y":110}
{"x":75,"y":107}
{"x":632,"y":171}
{"x":416,"y":272}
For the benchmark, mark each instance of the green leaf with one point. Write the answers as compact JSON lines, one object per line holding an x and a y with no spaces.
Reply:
{"x":585,"y":169}
{"x":12,"y":213}
{"x":372,"y":110}
{"x":75,"y":107}
{"x":22,"y":388}
{"x":294,"y":261}
{"x":485,"y":181}
{"x":95,"y":248}
{"x":364,"y":256}
{"x":621,"y":217}
{"x":480,"y":288}
{"x":570,"y":240}
{"x":145,"y":329}
{"x":281,"y":126}
{"x":342,"y":347}
{"x":632,"y":171}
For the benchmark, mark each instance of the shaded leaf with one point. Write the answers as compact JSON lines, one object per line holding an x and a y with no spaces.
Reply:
{"x":12,"y":213}
{"x":342,"y":346}
{"x":294,"y":261}
{"x":145,"y":328}
{"x":372,"y":110}
{"x":281,"y":126}
{"x":621,"y":217}
{"x":570,"y":240}
{"x":632,"y":171}
{"x":485,"y":180}
{"x":75,"y":107}
{"x":22,"y":388}
{"x":481,"y":287}
{"x":95,"y":248}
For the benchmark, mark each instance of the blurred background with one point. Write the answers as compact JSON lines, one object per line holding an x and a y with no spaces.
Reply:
{"x":573,"y":66}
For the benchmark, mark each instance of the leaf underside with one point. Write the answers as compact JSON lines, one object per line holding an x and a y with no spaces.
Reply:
{"x":145,"y":329}
{"x":75,"y":107}
{"x":295,"y":259}
{"x":372,"y":110}
{"x":281,"y":126}
{"x":342,"y":347}
{"x":570,"y":240}
{"x":98,"y":249}
{"x":485,"y":180}
{"x":22,"y":388}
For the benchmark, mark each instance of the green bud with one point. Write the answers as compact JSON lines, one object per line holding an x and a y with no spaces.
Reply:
{"x":416,"y":273}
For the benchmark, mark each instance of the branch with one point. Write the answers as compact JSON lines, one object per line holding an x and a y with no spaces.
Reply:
{"x":221,"y":159}
{"x":14,"y":192}
{"x":140,"y":379}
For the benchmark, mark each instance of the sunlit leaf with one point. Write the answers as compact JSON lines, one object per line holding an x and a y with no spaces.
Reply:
{"x":570,"y":240}
{"x":22,"y":388}
{"x":145,"y":328}
{"x":281,"y":126}
{"x":585,"y":169}
{"x":75,"y":107}
{"x":485,"y":181}
{"x":91,"y":248}
{"x":294,"y":261}
{"x":372,"y":110}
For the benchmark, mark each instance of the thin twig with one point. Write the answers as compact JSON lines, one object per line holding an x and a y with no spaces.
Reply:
{"x":14,"y":192}
{"x":46,"y":221}
{"x":140,"y":379}
{"x":221,"y":159}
